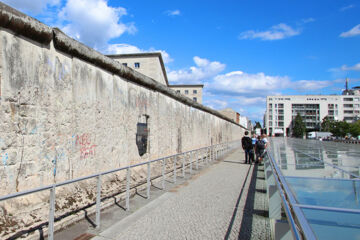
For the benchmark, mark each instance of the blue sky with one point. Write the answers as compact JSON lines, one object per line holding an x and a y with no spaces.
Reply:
{"x":241,"y":50}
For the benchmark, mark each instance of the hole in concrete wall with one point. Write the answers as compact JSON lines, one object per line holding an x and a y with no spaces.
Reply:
{"x":142,"y":134}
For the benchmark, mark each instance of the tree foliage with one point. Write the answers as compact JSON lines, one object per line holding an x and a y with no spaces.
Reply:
{"x":326,"y":124}
{"x":340,"y":128}
{"x":257,"y":125}
{"x":355,"y":128}
{"x":298,"y":127}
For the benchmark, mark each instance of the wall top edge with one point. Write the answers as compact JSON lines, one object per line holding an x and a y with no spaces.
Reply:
{"x":24,"y":25}
{"x":33,"y":29}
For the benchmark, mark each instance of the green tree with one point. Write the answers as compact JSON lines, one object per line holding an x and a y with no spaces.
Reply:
{"x":257,"y":125}
{"x":355,"y":128}
{"x":298,"y":127}
{"x":340,"y":128}
{"x":327,"y":124}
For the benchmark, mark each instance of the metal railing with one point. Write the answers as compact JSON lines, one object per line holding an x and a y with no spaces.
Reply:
{"x":300,"y":227}
{"x":207,"y":154}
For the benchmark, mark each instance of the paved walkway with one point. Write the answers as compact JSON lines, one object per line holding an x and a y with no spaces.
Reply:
{"x":226,"y":200}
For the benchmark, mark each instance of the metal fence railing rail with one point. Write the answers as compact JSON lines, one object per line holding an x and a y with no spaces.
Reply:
{"x":207,"y":154}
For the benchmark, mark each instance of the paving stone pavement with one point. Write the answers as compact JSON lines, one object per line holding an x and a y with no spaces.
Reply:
{"x":224,"y":201}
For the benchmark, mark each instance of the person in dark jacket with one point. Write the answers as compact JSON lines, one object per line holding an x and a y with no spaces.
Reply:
{"x":246,"y":143}
{"x":260,"y":146}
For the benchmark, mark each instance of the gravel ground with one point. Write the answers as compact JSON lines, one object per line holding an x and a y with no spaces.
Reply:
{"x":224,"y":201}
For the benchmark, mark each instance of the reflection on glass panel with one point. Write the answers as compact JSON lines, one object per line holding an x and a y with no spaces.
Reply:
{"x":333,"y":225}
{"x":326,"y":192}
{"x":333,"y":156}
{"x":303,"y":161}
{"x":283,"y":159}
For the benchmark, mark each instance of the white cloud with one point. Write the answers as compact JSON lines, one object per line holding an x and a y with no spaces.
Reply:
{"x":356,"y":67}
{"x":239,"y":82}
{"x":173,"y":12}
{"x":352,"y":32}
{"x":203,"y":70}
{"x":123,"y":48}
{"x":310,"y":85}
{"x":246,"y":101}
{"x":93,"y":22}
{"x":33,"y":6}
{"x":347,"y":7}
{"x":276,"y":32}
{"x":344,"y":68}
{"x":308,"y":20}
{"x":216,"y":104}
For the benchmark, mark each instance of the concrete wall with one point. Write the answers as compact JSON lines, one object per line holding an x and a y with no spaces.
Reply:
{"x":67,"y":111}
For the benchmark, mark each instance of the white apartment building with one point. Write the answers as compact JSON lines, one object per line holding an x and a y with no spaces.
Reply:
{"x":282,"y":110}
{"x":193,"y":91}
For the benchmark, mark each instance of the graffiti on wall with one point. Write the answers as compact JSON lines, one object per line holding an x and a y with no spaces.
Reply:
{"x":87,"y":147}
{"x":4,"y":158}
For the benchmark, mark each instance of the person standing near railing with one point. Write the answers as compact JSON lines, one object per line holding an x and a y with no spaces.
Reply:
{"x":260,"y":148}
{"x":248,"y":148}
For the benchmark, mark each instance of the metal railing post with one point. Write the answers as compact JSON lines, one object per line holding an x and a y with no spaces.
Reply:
{"x":163,"y":174}
{"x":128,"y":175}
{"x":191,"y":159}
{"x":207,"y":156}
{"x":175,"y":168}
{"x":197,"y":160}
{"x":183,"y":164}
{"x":51,"y":213}
{"x":148,"y":183}
{"x":98,"y":201}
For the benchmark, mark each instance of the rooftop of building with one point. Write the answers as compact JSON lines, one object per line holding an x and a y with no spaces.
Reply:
{"x":142,"y":55}
{"x":187,"y":85}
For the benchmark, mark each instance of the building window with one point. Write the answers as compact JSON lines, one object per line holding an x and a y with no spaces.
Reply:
{"x":124,"y":64}
{"x":186,"y":91}
{"x":194,"y":91}
{"x":281,"y":105}
{"x":195,"y":99}
{"x":348,"y":99}
{"x":178,"y":91}
{"x":348,"y":105}
{"x":137,"y":65}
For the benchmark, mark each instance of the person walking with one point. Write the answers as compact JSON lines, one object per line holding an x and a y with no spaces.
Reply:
{"x":247,"y":146}
{"x":260,"y":148}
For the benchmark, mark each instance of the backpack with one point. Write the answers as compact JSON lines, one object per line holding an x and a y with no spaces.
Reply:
{"x":260,"y":145}
{"x":247,"y":143}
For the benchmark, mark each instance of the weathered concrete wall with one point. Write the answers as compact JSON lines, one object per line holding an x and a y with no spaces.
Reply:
{"x":67,"y":111}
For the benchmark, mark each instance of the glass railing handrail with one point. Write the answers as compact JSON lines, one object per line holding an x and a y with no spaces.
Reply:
{"x":325,"y":178}
{"x":289,"y":202}
{"x":332,"y":209}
